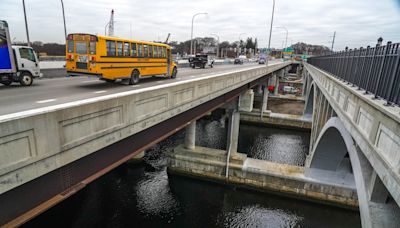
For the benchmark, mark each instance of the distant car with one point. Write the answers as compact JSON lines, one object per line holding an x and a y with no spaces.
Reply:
{"x":290,"y":89}
{"x":238,"y":61}
{"x":261,"y":61}
{"x":201,"y":61}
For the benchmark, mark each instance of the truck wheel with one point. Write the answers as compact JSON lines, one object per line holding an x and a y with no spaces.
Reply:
{"x":193,"y":66}
{"x":26,"y":79}
{"x":204,"y":66}
{"x":174,"y":73}
{"x":134,"y":78}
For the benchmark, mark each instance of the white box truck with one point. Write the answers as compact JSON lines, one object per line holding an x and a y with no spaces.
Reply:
{"x":17,"y":63}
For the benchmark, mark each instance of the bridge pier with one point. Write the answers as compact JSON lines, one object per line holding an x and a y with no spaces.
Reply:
{"x":190,"y":136}
{"x":233,"y":132}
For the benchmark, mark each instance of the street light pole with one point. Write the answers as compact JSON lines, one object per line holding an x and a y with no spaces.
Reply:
{"x":270,"y":31}
{"x":191,"y":36}
{"x":217,"y":43}
{"x":65,"y":27}
{"x":240,"y":35}
{"x":287,"y":32}
{"x":26,"y":24}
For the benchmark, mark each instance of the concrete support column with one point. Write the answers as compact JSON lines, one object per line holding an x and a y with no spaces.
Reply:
{"x":233,"y":132}
{"x":190,"y":136}
{"x":377,"y":190}
{"x":246,"y":101}
{"x":259,"y":89}
{"x":264,"y":104}
{"x":276,"y":89}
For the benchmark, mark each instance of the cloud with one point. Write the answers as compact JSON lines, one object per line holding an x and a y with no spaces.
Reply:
{"x":357,"y":23}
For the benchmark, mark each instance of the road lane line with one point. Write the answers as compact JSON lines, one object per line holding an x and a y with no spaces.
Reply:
{"x":45,"y":101}
{"x":90,"y":81}
{"x":101,"y":91}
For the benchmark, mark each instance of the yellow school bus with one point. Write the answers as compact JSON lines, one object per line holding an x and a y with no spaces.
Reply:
{"x":112,"y":58}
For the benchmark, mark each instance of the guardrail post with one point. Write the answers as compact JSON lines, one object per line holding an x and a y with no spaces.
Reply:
{"x":353,"y":83}
{"x":387,"y":48}
{"x":370,"y":68}
{"x":363,"y":65}
{"x":392,"y":78}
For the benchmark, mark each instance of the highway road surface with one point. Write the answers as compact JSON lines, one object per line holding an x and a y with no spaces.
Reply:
{"x":48,"y":92}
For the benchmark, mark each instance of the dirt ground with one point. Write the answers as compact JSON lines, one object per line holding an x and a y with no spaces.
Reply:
{"x":286,"y":106}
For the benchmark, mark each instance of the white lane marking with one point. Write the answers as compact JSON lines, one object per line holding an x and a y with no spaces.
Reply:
{"x":101,"y":91}
{"x":45,"y":101}
{"x":90,"y":81}
{"x":135,"y":86}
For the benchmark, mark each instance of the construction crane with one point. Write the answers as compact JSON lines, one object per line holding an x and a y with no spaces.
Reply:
{"x":166,"y":41}
{"x":111,"y":24}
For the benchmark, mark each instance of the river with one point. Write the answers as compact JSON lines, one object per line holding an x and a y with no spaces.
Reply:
{"x":143,"y":195}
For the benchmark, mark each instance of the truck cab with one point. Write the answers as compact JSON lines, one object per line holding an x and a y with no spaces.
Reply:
{"x":17,"y":63}
{"x":201,"y":60}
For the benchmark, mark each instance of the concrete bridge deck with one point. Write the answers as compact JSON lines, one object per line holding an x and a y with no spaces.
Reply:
{"x":66,"y":146}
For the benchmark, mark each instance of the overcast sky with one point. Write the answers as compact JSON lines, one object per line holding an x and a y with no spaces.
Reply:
{"x":356,"y":22}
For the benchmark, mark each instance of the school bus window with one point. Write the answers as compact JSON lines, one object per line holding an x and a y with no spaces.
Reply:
{"x":140,"y":50}
{"x":145,"y":50}
{"x":92,"y":46}
{"x":70,"y":46}
{"x":150,"y":51}
{"x":81,"y":48}
{"x":159,"y":52}
{"x":119,"y":43}
{"x":163,"y":52}
{"x":155,"y":52}
{"x":133,"y":50}
{"x":126,"y":49}
{"x":110,"y":48}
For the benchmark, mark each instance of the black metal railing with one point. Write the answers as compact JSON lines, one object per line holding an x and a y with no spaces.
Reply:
{"x":375,"y":70}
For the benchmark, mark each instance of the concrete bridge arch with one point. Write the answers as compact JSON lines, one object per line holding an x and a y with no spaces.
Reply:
{"x":309,"y":104}
{"x":336,"y":157}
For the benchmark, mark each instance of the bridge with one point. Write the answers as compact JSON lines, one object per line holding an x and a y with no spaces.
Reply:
{"x":353,"y":98}
{"x":48,"y":153}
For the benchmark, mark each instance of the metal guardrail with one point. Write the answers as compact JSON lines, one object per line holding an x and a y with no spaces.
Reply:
{"x":375,"y":70}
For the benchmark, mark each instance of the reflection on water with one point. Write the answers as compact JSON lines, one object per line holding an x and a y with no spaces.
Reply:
{"x":276,"y":145}
{"x":143,"y":195}
{"x":259,"y":216}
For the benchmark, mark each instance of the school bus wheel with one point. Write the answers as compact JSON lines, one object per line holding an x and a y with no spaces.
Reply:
{"x":134,"y":77}
{"x":174,"y":73}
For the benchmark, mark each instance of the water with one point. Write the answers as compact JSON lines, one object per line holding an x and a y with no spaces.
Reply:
{"x":143,"y":195}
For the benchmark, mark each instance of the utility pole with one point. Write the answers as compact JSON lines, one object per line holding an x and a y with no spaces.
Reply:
{"x":270,"y":31}
{"x":217,"y":43}
{"x":26,"y":24}
{"x":333,"y":40}
{"x":65,"y":27}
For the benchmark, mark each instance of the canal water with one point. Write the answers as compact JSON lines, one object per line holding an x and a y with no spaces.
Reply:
{"x":143,"y":195}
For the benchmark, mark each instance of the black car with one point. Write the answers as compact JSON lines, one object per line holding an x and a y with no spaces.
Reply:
{"x":201,"y":61}
{"x":238,"y":61}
